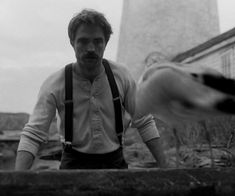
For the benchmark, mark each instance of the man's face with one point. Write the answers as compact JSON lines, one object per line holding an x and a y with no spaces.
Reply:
{"x":89,"y":45}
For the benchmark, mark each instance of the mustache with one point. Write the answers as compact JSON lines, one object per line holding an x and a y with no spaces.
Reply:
{"x":91,"y":55}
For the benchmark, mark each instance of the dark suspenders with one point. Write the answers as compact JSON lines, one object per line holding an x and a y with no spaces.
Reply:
{"x":69,"y":103}
{"x":116,"y":100}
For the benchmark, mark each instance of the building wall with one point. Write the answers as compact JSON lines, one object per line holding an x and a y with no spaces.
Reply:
{"x":164,"y":26}
{"x":212,"y":61}
{"x":215,"y":60}
{"x":233,"y":61}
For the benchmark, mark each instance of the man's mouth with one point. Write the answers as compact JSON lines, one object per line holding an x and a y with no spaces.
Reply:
{"x":92,"y":57}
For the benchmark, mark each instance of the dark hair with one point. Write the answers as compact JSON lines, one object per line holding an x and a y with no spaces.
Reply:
{"x":89,"y":16}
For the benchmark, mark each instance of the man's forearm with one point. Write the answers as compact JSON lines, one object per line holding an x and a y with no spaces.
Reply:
{"x":155,"y":147}
{"x":24,"y":160}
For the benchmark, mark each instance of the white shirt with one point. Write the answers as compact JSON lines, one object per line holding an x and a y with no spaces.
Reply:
{"x":94,"y":118}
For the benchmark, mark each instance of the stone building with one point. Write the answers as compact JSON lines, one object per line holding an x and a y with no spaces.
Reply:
{"x":217,"y":53}
{"x":165,"y":27}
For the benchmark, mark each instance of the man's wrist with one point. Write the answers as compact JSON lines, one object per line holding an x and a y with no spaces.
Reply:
{"x":24,"y":160}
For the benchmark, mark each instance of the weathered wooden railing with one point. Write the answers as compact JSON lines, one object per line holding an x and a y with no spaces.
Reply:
{"x":206,"y":181}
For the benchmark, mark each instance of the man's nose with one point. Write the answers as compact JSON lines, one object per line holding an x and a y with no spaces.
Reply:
{"x":90,"y":47}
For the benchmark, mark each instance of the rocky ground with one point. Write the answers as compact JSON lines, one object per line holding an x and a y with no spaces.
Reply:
{"x":193,"y":149}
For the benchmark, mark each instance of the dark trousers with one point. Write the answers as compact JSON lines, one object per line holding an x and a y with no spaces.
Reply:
{"x":72,"y":159}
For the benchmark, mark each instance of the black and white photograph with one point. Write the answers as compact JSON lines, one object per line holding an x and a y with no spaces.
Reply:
{"x":117,"y":97}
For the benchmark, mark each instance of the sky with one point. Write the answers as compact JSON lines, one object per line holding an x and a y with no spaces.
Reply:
{"x":34,"y":42}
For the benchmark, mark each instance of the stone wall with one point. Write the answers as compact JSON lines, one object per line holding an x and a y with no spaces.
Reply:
{"x":183,"y":182}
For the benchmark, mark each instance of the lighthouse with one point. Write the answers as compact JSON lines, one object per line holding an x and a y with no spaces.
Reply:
{"x":163,"y":28}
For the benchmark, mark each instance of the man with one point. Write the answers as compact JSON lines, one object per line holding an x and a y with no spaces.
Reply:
{"x":95,"y":144}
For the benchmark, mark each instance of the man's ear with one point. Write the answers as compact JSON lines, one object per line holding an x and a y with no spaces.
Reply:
{"x":106,"y":42}
{"x":72,"y":43}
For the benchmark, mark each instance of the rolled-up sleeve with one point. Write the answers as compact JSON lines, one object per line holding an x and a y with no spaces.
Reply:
{"x":146,"y":124}
{"x":36,"y":130}
{"x":29,"y":145}
{"x":146,"y":127}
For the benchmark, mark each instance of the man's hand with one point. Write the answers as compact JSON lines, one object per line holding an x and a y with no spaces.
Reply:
{"x":24,"y":160}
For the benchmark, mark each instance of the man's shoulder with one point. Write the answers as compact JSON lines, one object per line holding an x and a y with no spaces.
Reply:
{"x":54,"y":81}
{"x":119,"y":69}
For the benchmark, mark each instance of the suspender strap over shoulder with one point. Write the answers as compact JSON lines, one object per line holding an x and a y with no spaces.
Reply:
{"x":116,"y":100}
{"x":68,"y":104}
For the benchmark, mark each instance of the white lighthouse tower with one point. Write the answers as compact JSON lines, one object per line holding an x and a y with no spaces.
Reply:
{"x":163,"y":27}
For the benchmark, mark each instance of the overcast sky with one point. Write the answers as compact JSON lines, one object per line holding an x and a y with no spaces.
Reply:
{"x":34,"y":42}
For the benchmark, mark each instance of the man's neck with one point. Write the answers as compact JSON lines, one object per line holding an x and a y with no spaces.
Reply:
{"x":90,"y":74}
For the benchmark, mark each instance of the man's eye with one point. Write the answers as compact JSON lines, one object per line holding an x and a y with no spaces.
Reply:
{"x":98,"y":41}
{"x":82,"y":41}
